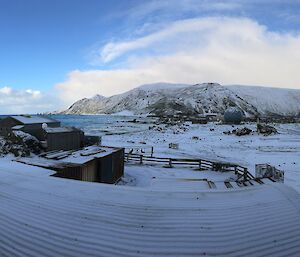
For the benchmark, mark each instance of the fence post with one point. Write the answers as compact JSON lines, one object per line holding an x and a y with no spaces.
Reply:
{"x":141,"y":159}
{"x":170,"y":163}
{"x":152,"y":150}
{"x":245,"y":174}
{"x":199,"y":164}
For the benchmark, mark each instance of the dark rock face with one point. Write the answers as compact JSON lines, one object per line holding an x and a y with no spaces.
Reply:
{"x":266,"y":130}
{"x":233,"y":115}
{"x":169,"y":107}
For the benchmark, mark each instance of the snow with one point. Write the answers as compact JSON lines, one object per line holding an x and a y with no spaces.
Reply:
{"x":48,"y":216}
{"x":25,"y":136}
{"x":124,"y":113}
{"x":281,"y":150}
{"x":27,"y":119}
{"x":158,"y":211}
{"x":199,"y":98}
{"x":59,"y":129}
{"x":77,"y":157}
{"x":18,"y":127}
{"x":268,"y":99}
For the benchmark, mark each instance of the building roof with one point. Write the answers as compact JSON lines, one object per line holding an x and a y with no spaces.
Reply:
{"x":60,"y":129}
{"x":68,"y":158}
{"x":33,"y":119}
{"x":18,"y":127}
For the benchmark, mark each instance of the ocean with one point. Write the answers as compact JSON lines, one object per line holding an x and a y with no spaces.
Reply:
{"x":99,"y":125}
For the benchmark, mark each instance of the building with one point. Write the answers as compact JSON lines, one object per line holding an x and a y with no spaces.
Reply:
{"x":233,"y":115}
{"x":93,"y":163}
{"x":30,"y":124}
{"x":199,"y":120}
{"x":47,"y":130}
{"x":63,"y":138}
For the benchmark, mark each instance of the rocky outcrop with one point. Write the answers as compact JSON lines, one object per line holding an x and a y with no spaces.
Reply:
{"x":265,"y":129}
{"x":19,"y":143}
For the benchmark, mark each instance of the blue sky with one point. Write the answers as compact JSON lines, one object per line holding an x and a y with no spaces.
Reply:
{"x":42,"y":40}
{"x":55,"y":52}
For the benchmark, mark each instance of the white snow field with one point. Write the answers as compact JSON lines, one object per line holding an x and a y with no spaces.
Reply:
{"x":47,"y":216}
{"x":281,"y":150}
{"x":158,"y":211}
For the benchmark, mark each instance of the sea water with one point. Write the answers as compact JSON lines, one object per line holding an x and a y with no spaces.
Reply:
{"x":102,"y":124}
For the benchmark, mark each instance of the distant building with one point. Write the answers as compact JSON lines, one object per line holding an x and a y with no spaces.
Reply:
{"x":199,"y":120}
{"x":32,"y":125}
{"x":212,"y":116}
{"x":47,"y":130}
{"x":233,"y":115}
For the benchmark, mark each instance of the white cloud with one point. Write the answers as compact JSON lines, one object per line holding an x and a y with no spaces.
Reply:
{"x":25,"y":101}
{"x":168,"y":9}
{"x":34,"y":93}
{"x":220,"y":49}
{"x":172,"y":32}
{"x":5,"y":90}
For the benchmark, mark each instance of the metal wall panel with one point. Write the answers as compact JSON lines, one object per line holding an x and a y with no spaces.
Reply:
{"x":64,"y":141}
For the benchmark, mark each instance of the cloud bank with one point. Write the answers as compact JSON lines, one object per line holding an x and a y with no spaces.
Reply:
{"x":220,"y":49}
{"x":24,"y":101}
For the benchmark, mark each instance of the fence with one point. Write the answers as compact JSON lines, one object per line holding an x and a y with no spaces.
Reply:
{"x":241,"y":172}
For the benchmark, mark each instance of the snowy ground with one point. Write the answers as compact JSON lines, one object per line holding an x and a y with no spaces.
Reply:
{"x":159,"y":211}
{"x":281,"y":150}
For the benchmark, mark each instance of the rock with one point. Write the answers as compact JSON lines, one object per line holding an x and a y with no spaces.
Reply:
{"x":239,"y":132}
{"x":227,"y":132}
{"x":173,"y":146}
{"x":242,"y":132}
{"x":20,"y":144}
{"x":266,"y":130}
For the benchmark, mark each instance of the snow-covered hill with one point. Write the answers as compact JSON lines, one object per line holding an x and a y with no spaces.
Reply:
{"x":270,"y":100}
{"x":170,"y":99}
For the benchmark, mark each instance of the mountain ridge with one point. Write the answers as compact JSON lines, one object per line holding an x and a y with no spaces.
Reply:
{"x":169,"y":99}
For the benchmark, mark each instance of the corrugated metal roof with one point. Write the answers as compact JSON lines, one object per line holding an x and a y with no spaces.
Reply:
{"x":28,"y":119}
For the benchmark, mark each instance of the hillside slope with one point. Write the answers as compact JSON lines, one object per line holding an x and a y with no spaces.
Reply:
{"x":170,"y":99}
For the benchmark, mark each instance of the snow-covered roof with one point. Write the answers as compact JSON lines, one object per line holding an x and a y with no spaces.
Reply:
{"x":61,"y":158}
{"x":34,"y":119}
{"x":60,"y":129}
{"x":18,"y":127}
{"x":257,"y":220}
